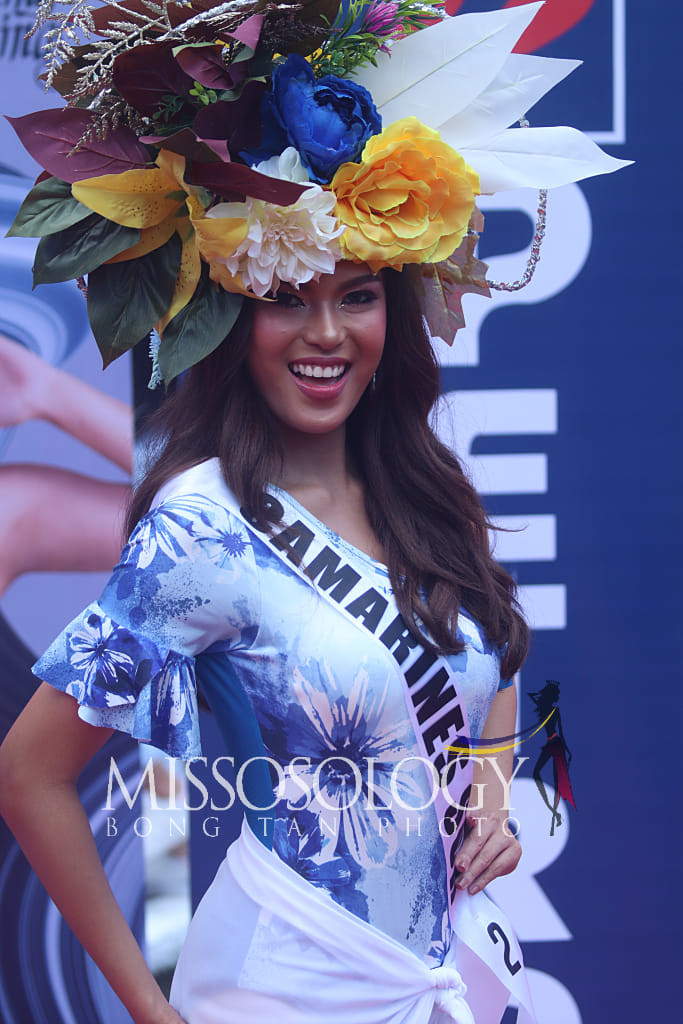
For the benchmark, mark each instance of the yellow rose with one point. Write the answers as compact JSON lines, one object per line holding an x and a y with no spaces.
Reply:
{"x":409,"y":200}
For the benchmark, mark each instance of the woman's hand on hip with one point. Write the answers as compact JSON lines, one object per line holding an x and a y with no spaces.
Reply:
{"x":489,"y":850}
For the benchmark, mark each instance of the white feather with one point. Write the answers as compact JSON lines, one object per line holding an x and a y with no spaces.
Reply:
{"x":438,"y":72}
{"x":520,"y":83}
{"x":538,"y":158}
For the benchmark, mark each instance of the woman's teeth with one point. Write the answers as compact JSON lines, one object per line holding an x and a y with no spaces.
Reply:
{"x":327,"y":372}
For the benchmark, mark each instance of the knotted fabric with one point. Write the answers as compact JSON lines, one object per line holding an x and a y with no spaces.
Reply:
{"x":384,"y":982}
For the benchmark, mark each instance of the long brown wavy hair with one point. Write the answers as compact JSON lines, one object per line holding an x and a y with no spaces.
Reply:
{"x":423,"y":509}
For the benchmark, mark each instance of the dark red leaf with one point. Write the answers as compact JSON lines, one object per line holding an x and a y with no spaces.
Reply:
{"x":64,"y":78}
{"x":215,"y":121}
{"x":205,"y":65}
{"x":204,"y":5}
{"x":178,"y":13}
{"x":249,"y":31}
{"x":237,"y":121}
{"x":145,"y":75}
{"x":224,"y":27}
{"x":198,"y":6}
{"x":50,"y":136}
{"x":235,"y":181}
{"x":218,"y":147}
{"x":186,"y":143}
{"x":104,"y":17}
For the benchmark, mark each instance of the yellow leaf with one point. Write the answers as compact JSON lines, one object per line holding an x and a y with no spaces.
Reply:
{"x":136,"y":199}
{"x":173,"y":164}
{"x":218,"y":237}
{"x":186,"y":282}
{"x":150,"y":238}
{"x":219,"y":273}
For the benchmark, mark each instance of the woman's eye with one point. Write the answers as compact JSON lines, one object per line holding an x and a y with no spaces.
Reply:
{"x":360,"y":297}
{"x":288,"y":299}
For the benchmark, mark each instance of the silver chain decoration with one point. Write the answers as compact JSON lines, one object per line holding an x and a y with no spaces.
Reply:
{"x":536,"y":242}
{"x":534,"y":255}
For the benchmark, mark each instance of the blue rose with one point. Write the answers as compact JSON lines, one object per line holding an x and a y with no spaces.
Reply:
{"x":328,"y":121}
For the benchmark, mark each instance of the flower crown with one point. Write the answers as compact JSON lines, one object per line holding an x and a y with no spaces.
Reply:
{"x":210,"y":151}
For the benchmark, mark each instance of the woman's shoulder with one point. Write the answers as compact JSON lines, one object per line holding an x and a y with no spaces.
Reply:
{"x":193,"y":523}
{"x":202,"y":484}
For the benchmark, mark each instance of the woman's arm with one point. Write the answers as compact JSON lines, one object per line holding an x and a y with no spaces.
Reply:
{"x":40,"y":761}
{"x":490,"y":849}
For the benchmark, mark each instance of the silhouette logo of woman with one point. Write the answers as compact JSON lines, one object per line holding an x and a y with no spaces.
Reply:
{"x":546,"y":702}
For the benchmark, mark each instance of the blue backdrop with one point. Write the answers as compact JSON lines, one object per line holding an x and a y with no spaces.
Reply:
{"x":609,"y":346}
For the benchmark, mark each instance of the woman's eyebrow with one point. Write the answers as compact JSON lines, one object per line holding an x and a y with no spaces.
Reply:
{"x":355,"y":282}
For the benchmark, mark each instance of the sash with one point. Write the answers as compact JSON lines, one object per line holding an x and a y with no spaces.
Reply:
{"x":436,"y":710}
{"x":439,"y":720}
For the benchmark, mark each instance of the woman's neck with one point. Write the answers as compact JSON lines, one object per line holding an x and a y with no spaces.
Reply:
{"x":316,"y":472}
{"x":315,"y":463}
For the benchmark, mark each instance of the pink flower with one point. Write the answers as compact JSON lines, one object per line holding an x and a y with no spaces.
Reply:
{"x":381,"y":18}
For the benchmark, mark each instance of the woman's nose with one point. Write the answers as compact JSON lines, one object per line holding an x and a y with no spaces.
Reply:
{"x":325,"y":327}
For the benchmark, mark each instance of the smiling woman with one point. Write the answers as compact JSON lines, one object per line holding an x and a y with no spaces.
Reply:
{"x":303,"y":551}
{"x":314,"y":351}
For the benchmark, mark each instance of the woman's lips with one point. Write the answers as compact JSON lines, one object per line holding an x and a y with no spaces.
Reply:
{"x":314,"y":384}
{"x":315,"y":370}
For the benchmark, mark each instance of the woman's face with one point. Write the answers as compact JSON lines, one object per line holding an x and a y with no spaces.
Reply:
{"x":314,"y":350}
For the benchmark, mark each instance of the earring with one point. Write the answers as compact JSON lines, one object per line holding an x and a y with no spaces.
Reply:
{"x":373,"y":382}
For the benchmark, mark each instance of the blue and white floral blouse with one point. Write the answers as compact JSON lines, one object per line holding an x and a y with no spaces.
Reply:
{"x":289,"y":678}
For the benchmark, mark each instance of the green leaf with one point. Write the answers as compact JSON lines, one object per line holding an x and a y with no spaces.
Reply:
{"x":126,"y":299}
{"x":78,"y":250}
{"x":49,"y":207}
{"x":199,"y":328}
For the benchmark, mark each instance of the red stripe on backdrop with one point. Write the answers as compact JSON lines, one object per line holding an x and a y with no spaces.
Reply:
{"x":552,"y":21}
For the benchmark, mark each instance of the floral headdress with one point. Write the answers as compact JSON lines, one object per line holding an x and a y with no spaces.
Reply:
{"x":209,"y":151}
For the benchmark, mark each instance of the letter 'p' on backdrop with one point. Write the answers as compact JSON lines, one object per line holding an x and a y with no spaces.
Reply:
{"x":565,"y":402}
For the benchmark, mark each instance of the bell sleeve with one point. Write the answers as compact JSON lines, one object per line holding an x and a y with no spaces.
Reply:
{"x":186,"y":580}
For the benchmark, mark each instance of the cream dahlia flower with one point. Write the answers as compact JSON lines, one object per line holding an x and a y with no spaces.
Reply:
{"x":292,"y":244}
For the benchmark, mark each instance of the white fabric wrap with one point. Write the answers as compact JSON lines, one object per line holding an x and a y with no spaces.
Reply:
{"x":320,"y":962}
{"x":403,"y":989}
